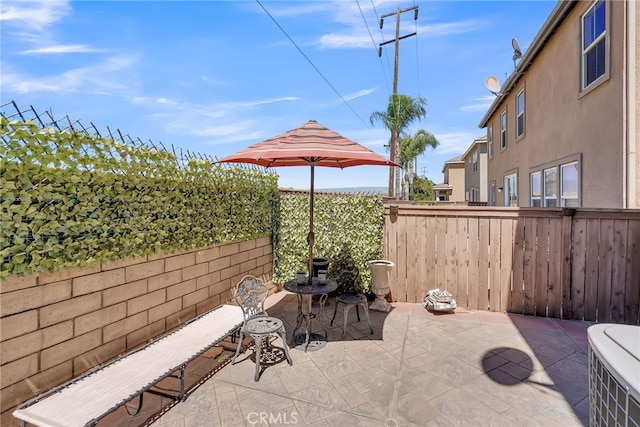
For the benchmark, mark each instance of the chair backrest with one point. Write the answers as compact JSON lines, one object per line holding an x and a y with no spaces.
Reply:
{"x":250,"y":294}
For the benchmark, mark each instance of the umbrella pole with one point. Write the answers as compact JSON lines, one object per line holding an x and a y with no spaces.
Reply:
{"x":310,"y":237}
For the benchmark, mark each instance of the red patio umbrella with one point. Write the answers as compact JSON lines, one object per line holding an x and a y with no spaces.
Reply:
{"x":308,"y":145}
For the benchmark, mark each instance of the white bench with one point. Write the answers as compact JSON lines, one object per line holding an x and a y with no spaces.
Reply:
{"x":86,"y":399}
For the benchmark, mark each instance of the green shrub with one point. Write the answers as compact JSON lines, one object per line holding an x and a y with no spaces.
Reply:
{"x":71,"y":200}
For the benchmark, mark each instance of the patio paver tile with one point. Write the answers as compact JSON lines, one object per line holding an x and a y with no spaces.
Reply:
{"x":469,"y":368}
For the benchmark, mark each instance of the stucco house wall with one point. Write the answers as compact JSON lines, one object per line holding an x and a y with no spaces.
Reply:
{"x":563,"y":123}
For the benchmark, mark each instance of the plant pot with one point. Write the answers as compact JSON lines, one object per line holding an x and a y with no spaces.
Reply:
{"x":320,"y":264}
{"x":380,"y":269}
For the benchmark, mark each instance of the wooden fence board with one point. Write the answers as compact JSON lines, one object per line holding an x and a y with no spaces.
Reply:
{"x":529,"y":266}
{"x":421,"y":253}
{"x":632,"y":289}
{"x":431,"y":252}
{"x":542,"y":266}
{"x":592,"y":244}
{"x":483,"y":263}
{"x":582,"y":263}
{"x":618,"y":271}
{"x":391,"y":252}
{"x":412,"y":260}
{"x":441,"y":247}
{"x":401,"y":267}
{"x":506,"y":262}
{"x":494,"y":264}
{"x":565,"y":266}
{"x":451,"y":255}
{"x":462,"y":266}
{"x":473,"y":276}
{"x":554,"y":281}
{"x":604,"y":270}
{"x":578,"y":269}
{"x":517,"y":294}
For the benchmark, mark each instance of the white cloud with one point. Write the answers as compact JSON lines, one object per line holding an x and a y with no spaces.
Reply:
{"x":35,"y":15}
{"x":58,"y":49}
{"x":360,"y":93}
{"x":480,"y":104}
{"x":96,"y":78}
{"x":455,"y":142}
{"x":344,"y":41}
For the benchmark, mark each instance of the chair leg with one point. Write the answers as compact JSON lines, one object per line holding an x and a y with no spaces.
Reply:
{"x":258,"y":341}
{"x":283,"y":336}
{"x":366,"y":315}
{"x":335,"y":310}
{"x":238,"y":347}
{"x":346,"y":317}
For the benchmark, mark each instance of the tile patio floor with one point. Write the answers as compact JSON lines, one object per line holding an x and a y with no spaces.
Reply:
{"x":471,"y":368}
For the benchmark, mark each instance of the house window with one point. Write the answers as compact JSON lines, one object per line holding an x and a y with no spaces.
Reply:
{"x":492,"y":193}
{"x":570,"y":185}
{"x":536,"y":184}
{"x":594,"y":44}
{"x":520,"y":114}
{"x":551,"y":187}
{"x":511,"y":190}
{"x":503,"y":130}
{"x":474,"y":161}
{"x":490,"y":141}
{"x":557,"y":184}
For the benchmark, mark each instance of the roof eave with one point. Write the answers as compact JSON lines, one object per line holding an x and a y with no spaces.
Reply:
{"x":557,"y":16}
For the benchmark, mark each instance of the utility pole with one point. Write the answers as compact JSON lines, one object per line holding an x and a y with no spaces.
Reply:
{"x":394,"y":132}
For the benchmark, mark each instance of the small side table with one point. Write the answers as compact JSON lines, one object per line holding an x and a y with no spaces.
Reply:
{"x":308,"y":340}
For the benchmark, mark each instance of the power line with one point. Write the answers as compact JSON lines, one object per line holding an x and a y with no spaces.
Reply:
{"x":312,"y":64}
{"x":375,"y":45}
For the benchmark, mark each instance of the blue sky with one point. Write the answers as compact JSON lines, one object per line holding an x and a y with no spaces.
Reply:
{"x":216,"y":76}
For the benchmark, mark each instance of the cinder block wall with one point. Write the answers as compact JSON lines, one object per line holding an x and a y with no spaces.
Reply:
{"x":54,"y":327}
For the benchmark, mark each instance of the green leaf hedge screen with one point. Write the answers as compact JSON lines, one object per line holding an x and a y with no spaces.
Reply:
{"x":71,"y":200}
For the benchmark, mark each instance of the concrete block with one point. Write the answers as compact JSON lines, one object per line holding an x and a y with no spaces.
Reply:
{"x":69,"y":309}
{"x":97,"y":282}
{"x":31,"y":298}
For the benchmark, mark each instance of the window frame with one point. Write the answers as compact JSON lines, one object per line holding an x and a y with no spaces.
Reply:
{"x":492,"y":193}
{"x":503,"y":130}
{"x":603,"y":37}
{"x":556,"y":166}
{"x":561,"y":191}
{"x":508,"y":187}
{"x":490,"y":141}
{"x":520,"y":127}
{"x":531,"y":185}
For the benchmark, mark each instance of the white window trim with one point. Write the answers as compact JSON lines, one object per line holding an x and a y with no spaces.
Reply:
{"x":539,"y":198}
{"x":561,"y":183}
{"x":506,"y":191}
{"x":520,"y":132}
{"x":558,"y":164}
{"x":503,"y":131}
{"x":597,"y":82}
{"x":490,"y":141}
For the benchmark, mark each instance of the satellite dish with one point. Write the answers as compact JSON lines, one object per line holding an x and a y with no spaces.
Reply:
{"x":517,"y":52}
{"x":493,"y":85}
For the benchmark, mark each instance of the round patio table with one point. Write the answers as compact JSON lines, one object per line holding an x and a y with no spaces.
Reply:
{"x":309,"y":341}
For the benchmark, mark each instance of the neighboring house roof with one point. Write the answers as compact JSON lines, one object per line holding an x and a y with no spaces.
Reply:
{"x":455,"y":160}
{"x":443,"y":186}
{"x":477,"y":141}
{"x":558,"y":14}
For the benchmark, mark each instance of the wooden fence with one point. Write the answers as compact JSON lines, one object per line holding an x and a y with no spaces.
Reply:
{"x":563,"y":263}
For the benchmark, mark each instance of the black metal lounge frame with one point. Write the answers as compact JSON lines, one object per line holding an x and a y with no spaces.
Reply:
{"x":229,"y":318}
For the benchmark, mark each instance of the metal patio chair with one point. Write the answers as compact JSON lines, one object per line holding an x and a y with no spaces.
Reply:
{"x":250,"y":294}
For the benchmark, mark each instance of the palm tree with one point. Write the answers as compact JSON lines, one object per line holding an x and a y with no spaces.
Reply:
{"x":401,"y":112}
{"x":410,"y":148}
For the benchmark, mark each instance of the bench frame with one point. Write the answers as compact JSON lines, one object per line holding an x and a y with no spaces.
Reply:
{"x":171,"y":372}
